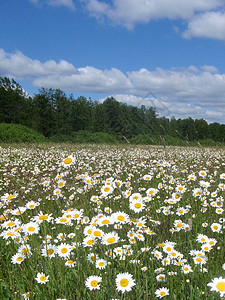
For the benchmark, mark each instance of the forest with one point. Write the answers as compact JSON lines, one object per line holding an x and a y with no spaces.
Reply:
{"x":54,"y":114}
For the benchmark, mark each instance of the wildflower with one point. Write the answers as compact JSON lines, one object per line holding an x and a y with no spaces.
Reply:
{"x":30,"y":228}
{"x":147,"y":177}
{"x":216,"y":227}
{"x":57,"y":192}
{"x":162,"y":292}
{"x":200,"y":260}
{"x":137,"y":205}
{"x":105,"y":220}
{"x":93,"y":282}
{"x":41,"y":278}
{"x":106,"y":190}
{"x":120,"y":217}
{"x":63,"y":250}
{"x":69,"y":160}
{"x":201,"y":238}
{"x":101,"y":264}
{"x":31,"y":204}
{"x":61,"y":183}
{"x":152,"y":192}
{"x":17,"y":258}
{"x":89,"y":241}
{"x":49,"y":250}
{"x":222,"y":176}
{"x":186,"y":269}
{"x":110,"y":238}
{"x":218,"y":285}
{"x":92,"y":257}
{"x":202,"y":174}
{"x":161,"y":277}
{"x":70,"y":263}
{"x":124,"y":282}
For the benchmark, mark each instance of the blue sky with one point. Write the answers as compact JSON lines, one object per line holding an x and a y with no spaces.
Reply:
{"x":163,"y":53}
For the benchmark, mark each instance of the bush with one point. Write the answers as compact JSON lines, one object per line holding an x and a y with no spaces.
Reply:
{"x":84,"y":136}
{"x":16,"y":133}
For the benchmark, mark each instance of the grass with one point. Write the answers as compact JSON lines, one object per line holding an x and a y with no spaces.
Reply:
{"x":60,"y":192}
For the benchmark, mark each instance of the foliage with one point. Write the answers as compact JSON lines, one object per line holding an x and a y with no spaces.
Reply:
{"x":16,"y":133}
{"x":57,"y":116}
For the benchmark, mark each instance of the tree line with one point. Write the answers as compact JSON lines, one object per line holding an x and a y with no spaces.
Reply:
{"x":51,"y":112}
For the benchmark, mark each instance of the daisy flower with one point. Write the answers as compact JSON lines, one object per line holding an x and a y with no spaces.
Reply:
{"x":137,"y":205}
{"x":120,"y":217}
{"x":162,"y":292}
{"x":101,"y":264}
{"x":124,"y":282}
{"x":41,"y":278}
{"x":93,"y":282}
{"x":18,"y":258}
{"x":69,"y":160}
{"x":88,"y":241}
{"x":222,"y":176}
{"x":110,"y":238}
{"x":30,"y":228}
{"x":218,"y":285}
{"x":63,"y":250}
{"x":186,"y":269}
{"x":49,"y":250}
{"x":216,"y":227}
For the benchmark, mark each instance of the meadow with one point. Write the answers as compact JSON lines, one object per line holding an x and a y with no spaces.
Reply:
{"x":111,"y":222}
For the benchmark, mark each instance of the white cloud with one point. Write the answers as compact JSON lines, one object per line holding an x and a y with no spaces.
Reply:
{"x":18,"y":65}
{"x":185,"y":91}
{"x":207,"y":25}
{"x":67,"y":3}
{"x":130,"y":12}
{"x":210,"y":69}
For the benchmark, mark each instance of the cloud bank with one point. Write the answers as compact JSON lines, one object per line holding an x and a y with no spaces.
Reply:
{"x":197,"y":91}
{"x":204,"y":18}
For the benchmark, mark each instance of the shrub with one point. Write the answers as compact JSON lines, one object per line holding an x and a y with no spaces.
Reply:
{"x":16,"y":133}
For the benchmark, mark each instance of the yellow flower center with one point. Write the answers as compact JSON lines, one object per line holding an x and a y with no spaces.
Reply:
{"x":60,"y":184}
{"x":10,"y":197}
{"x":19,"y":258}
{"x":137,"y":205}
{"x":11,"y":224}
{"x":124,"y":282}
{"x":121,"y":218}
{"x":162,"y":293}
{"x":106,"y":189}
{"x":64,"y":250}
{"x":97,"y":233}
{"x":68,"y":161}
{"x":43,"y":217}
{"x":90,"y":242}
{"x":42,"y":278}
{"x":70,"y":262}
{"x":111,"y":240}
{"x":105,"y":222}
{"x":199,"y":259}
{"x":94,"y":283}
{"x":50,"y":251}
{"x":31,"y":228}
{"x":101,"y":264}
{"x":221,"y":286}
{"x":63,"y":220}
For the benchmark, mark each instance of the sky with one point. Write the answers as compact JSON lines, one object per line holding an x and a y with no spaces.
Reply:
{"x":169,"y":54}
